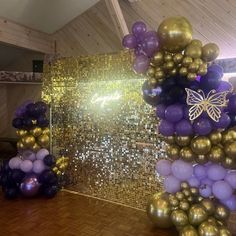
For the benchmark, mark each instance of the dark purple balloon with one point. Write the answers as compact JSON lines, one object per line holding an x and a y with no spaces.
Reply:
{"x":174,"y":113}
{"x":184,"y":128}
{"x":186,"y":112}
{"x":232,"y":120}
{"x":42,"y":121}
{"x":216,"y":68}
{"x":224,"y":86}
{"x":223,"y":122}
{"x":210,"y":81}
{"x":150,"y":95}
{"x":202,"y":126}
{"x":150,"y":46}
{"x":30,"y":186}
{"x":17,"y":123}
{"x":166,"y":128}
{"x":129,"y":41}
{"x":141,"y":64}
{"x":232,"y":104}
{"x":42,"y":107}
{"x":139,"y":28}
{"x":160,"y":111}
{"x":50,"y":191}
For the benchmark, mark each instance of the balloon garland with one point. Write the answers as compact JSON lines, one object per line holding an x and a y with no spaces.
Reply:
{"x":197,"y":112}
{"x":32,"y":171}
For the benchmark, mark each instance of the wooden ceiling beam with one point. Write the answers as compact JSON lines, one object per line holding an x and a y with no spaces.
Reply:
{"x":117,"y":17}
{"x":24,"y":37}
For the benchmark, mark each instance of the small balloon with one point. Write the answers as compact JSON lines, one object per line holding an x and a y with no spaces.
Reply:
{"x":210,"y":52}
{"x":30,"y":186}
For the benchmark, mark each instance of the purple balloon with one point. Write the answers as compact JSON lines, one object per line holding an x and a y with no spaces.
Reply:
{"x":42,"y":153}
{"x":15,"y":163}
{"x":30,"y":186}
{"x":200,"y":172}
{"x":184,"y":128}
{"x":26,"y":166}
{"x":224,"y":86}
{"x":210,"y":81}
{"x":216,"y":68}
{"x":207,"y":181}
{"x":186,"y":112}
{"x":232,"y":104}
{"x":216,"y":172}
{"x":38,"y":166}
{"x":174,"y":113}
{"x":139,"y":28}
{"x":21,"y":110}
{"x":230,"y":203}
{"x":163,"y":167}
{"x":182,"y":170}
{"x":202,"y":126}
{"x":194,"y":182}
{"x":171,"y":184}
{"x":141,"y":64}
{"x":222,"y":190}
{"x":29,"y":155}
{"x":129,"y":41}
{"x":160,"y":111}
{"x":150,"y":46}
{"x":166,"y":128}
{"x":205,"y":190}
{"x":231,"y":179}
{"x":223,"y":122}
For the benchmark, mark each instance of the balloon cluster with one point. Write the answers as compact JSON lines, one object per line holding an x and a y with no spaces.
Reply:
{"x":197,"y":112}
{"x":31,"y":171}
{"x":61,"y":165}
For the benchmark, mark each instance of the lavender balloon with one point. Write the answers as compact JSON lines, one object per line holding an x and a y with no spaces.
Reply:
{"x":129,"y":41}
{"x":42,"y":153}
{"x":163,"y":167}
{"x":207,"y":181}
{"x":182,"y":170}
{"x":38,"y":166}
{"x":231,"y":179}
{"x":230,"y":203}
{"x":205,"y":190}
{"x":194,"y":182}
{"x":166,"y":128}
{"x":224,"y":86}
{"x":15,"y":163}
{"x":139,"y":28}
{"x":141,"y":64}
{"x":171,"y":184}
{"x":222,"y":190}
{"x":184,"y":128}
{"x":174,"y":113}
{"x":200,"y":171}
{"x":29,"y":155}
{"x":26,"y":166}
{"x":30,"y":186}
{"x":216,"y":172}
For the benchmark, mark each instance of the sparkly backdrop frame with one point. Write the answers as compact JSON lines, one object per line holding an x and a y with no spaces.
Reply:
{"x":100,"y":121}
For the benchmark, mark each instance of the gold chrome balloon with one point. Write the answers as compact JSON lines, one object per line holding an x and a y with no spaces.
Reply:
{"x":20,"y":145}
{"x":43,"y":140}
{"x":36,"y":131}
{"x":196,"y":42}
{"x":28,"y":141}
{"x":201,"y":145}
{"x":223,"y":231}
{"x":159,"y":210}
{"x":187,"y":61}
{"x":187,"y":154}
{"x":158,"y":58}
{"x":193,"y":51}
{"x":229,"y":136}
{"x":201,"y":159}
{"x":197,"y":214}
{"x":183,"y":140}
{"x":208,"y":229}
{"x":230,"y":149}
{"x":169,"y":139}
{"x":229,"y":163}
{"x":184,"y":185}
{"x":215,"y":137}
{"x":179,"y":196}
{"x":194,"y":191}
{"x":21,"y":132}
{"x":173,"y":152}
{"x":210,"y":52}
{"x":179,"y":218}
{"x":191,"y":76}
{"x":178,"y":57}
{"x":216,"y":154}
{"x":221,"y":212}
{"x":175,"y":33}
{"x":188,"y":230}
{"x":151,"y":71}
{"x":46,"y":131}
{"x":183,"y":71}
{"x":35,"y":147}
{"x":209,"y":206}
{"x":193,"y":67}
{"x":184,"y":205}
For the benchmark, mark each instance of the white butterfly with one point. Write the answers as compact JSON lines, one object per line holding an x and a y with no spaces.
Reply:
{"x":210,"y":103}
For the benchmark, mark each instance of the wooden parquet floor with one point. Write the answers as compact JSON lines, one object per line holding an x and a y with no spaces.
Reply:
{"x":73,"y":215}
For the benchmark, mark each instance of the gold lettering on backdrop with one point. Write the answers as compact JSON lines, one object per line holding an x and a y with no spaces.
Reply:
{"x":103,"y":100}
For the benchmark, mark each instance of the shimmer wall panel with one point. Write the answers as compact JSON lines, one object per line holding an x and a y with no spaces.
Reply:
{"x":100,"y":121}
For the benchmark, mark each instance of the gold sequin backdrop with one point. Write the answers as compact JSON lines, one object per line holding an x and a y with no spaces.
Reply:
{"x":100,"y":121}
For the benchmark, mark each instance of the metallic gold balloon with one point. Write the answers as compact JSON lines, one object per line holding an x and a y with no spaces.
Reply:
{"x":183,"y":71}
{"x":197,"y":214}
{"x":201,"y":159}
{"x":190,"y":199}
{"x":35,"y":147}
{"x":179,"y":196}
{"x":201,"y":145}
{"x":152,"y":82}
{"x":37,"y":131}
{"x":230,"y":149}
{"x":21,"y":132}
{"x":187,"y":154}
{"x":159,"y":210}
{"x":191,"y":76}
{"x":229,"y":163}
{"x":194,"y":191}
{"x":184,"y":205}
{"x":175,"y":33}
{"x":188,"y":230}
{"x":151,"y":71}
{"x":229,"y":136}
{"x":169,"y":139}
{"x":173,"y":152}
{"x":210,"y":52}
{"x":212,"y":220}
{"x":208,"y":229}
{"x":193,"y":51}
{"x":202,"y":70}
{"x":178,"y":57}
{"x":209,"y":206}
{"x":186,"y":192}
{"x":221,"y":212}
{"x":158,"y":58}
{"x":174,"y":202}
{"x":183,"y":140}
{"x":216,"y":154}
{"x":20,"y":145}
{"x":173,"y":72}
{"x":184,"y":185}
{"x":167,"y":57}
{"x":169,"y":65}
{"x":198,"y":61}
{"x":179,"y":218}
{"x":223,"y":231}
{"x":215,"y":137}
{"x":159,"y":74}
{"x":46,"y":131}
{"x":196,"y":42}
{"x":28,"y":141}
{"x":43,"y":140}
{"x":193,"y":67}
{"x":187,"y":61}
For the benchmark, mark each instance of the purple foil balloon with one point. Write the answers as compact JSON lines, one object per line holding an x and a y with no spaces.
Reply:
{"x":30,"y":186}
{"x":202,"y":126}
{"x":129,"y":41}
{"x":166,"y":128}
{"x":183,"y":128}
{"x":141,"y":64}
{"x":174,"y":113}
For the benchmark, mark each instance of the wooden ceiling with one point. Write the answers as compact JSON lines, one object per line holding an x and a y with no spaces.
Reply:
{"x":93,"y":32}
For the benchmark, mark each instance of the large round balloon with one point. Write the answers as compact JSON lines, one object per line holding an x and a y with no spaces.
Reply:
{"x":175,"y":33}
{"x":30,"y":186}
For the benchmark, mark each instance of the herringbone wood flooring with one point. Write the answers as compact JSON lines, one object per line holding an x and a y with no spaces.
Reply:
{"x":72,"y":215}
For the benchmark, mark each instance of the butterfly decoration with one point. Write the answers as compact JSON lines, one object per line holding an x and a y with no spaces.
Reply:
{"x":212,"y":103}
